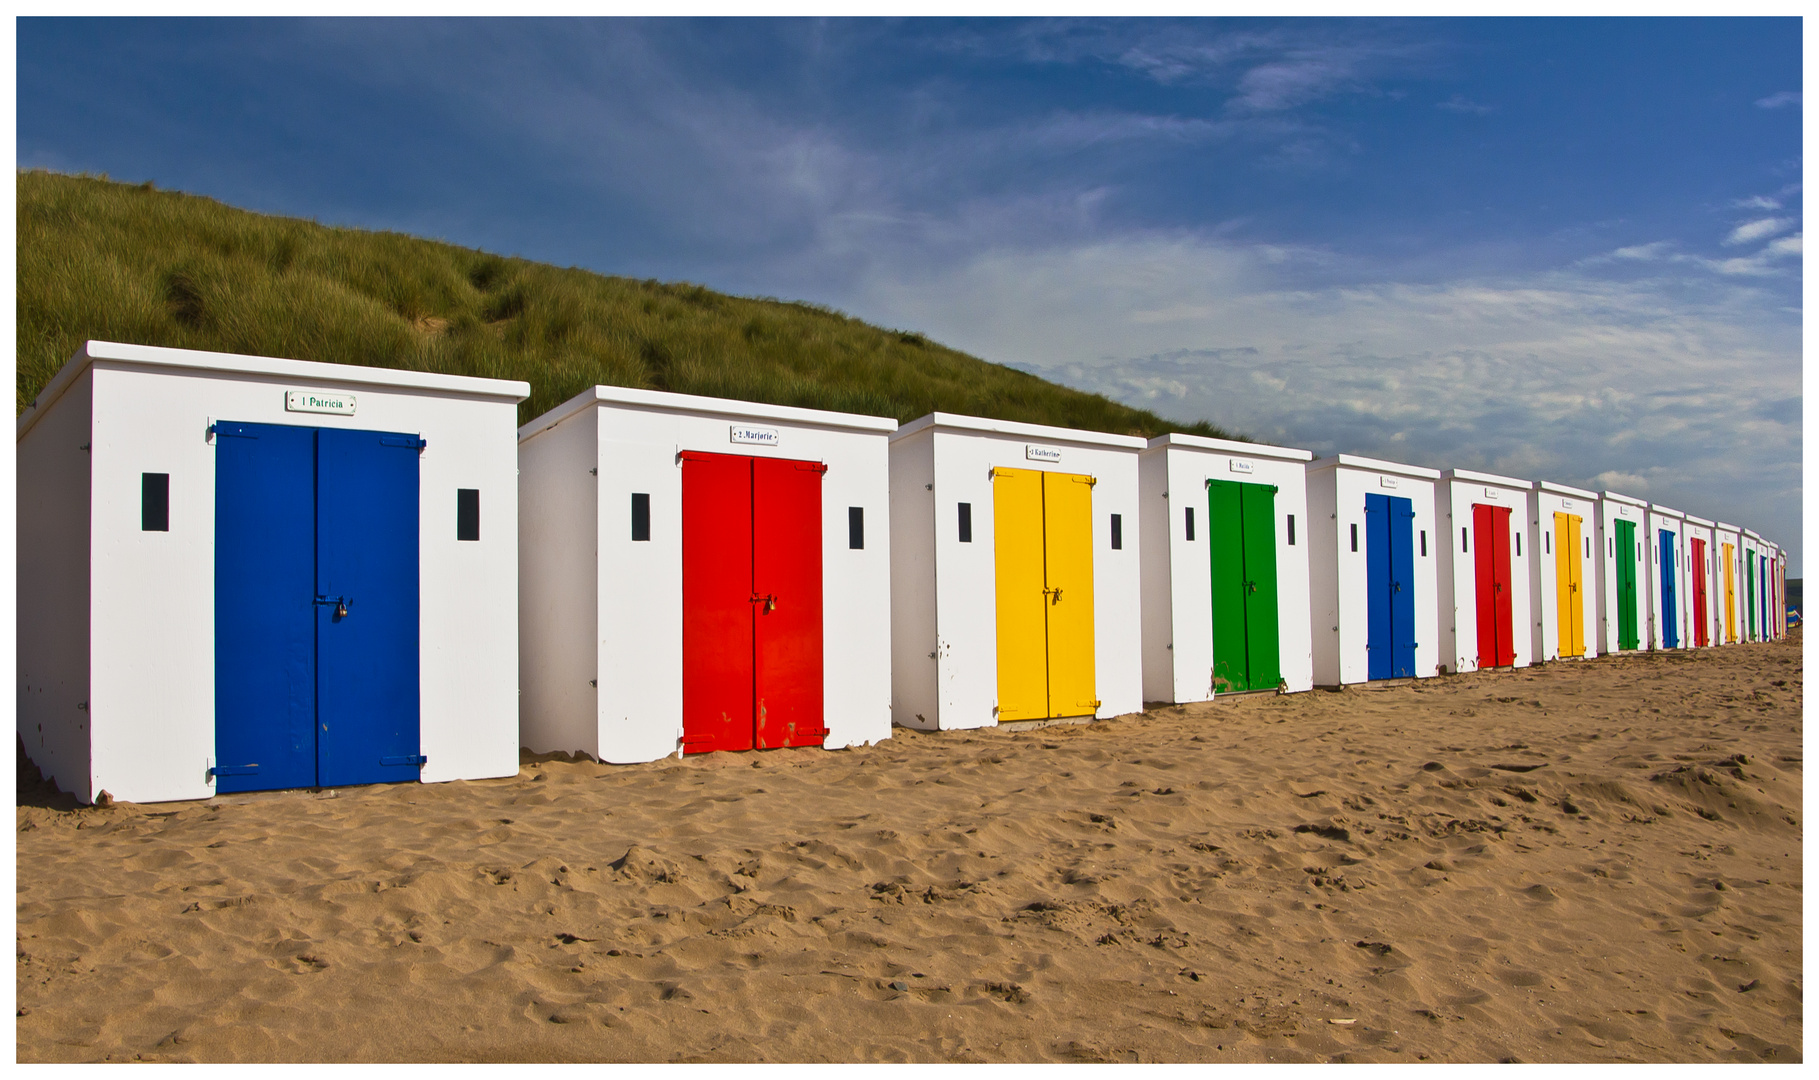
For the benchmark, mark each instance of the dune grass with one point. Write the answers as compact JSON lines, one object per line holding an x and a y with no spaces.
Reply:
{"x":122,"y":262}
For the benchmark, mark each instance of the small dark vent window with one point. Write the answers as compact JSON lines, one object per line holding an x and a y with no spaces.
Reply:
{"x":1117,"y":532}
{"x":467,"y":514}
{"x":1424,"y":543}
{"x":155,"y":502}
{"x":1291,"y":530}
{"x":1547,"y":543}
{"x":966,"y":523}
{"x":1518,"y":545}
{"x":641,"y":516}
{"x":1190,"y":523}
{"x":1463,"y":544}
{"x":1354,"y":537}
{"x":855,"y":527}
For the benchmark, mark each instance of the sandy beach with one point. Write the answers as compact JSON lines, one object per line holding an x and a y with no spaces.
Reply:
{"x":1588,"y":861}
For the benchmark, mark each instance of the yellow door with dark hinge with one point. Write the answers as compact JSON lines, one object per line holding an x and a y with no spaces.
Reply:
{"x":1021,"y":593}
{"x":1067,"y":525}
{"x":1730,"y":594}
{"x":1569,"y":591}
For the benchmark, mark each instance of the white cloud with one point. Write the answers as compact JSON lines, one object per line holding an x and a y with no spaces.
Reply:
{"x":1777,"y":100}
{"x":1624,"y":482}
{"x":1460,"y":104}
{"x":1757,"y":202}
{"x":1643,"y":252}
{"x":1751,"y":231}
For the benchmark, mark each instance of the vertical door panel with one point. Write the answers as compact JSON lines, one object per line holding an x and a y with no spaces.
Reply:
{"x":1067,"y":524}
{"x":1626,"y":555}
{"x":368,"y":686}
{"x":1490,"y":534}
{"x":1701,"y":622}
{"x":1263,"y":649}
{"x":1670,"y":600}
{"x":265,"y":577}
{"x":786,"y":550}
{"x":1225,"y":549}
{"x":1569,"y":585}
{"x":1022,"y":618}
{"x":1379,"y":640}
{"x":1402,"y":586}
{"x":717,"y":615}
{"x":1730,"y":594}
{"x":1749,"y":597}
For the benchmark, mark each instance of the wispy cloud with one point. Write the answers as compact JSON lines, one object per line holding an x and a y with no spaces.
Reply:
{"x":1459,"y":103}
{"x":1751,"y":231}
{"x":1757,"y":202}
{"x":1779,"y":100}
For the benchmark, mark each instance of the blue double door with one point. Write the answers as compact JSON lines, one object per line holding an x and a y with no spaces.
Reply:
{"x":1389,"y":554}
{"x":316,"y":607}
{"x":1670,"y":599}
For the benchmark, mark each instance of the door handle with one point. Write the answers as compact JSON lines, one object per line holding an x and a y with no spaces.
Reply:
{"x":770,"y":601}
{"x":1055,"y":598}
{"x":341,"y":605}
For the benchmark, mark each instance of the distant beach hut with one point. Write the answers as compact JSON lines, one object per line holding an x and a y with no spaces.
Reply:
{"x":1564,"y":571}
{"x":240,"y":573}
{"x":1728,"y":576}
{"x":1702,"y":616}
{"x":702,"y":574}
{"x":1225,"y":568}
{"x":1014,"y":573}
{"x":1665,"y":557}
{"x":1752,"y":586}
{"x":1622,"y":607}
{"x":1372,"y":569}
{"x":1484,"y":572}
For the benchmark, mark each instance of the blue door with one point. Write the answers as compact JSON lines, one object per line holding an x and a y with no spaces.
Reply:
{"x":316,"y":607}
{"x":1670,"y":618}
{"x":1389,"y":554}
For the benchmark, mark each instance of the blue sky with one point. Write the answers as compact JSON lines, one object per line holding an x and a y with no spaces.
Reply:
{"x":1558,"y":249}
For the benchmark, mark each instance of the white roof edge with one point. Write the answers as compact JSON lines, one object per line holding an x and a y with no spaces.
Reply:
{"x":1227,"y":446}
{"x":1666,"y":511}
{"x":270,"y":366}
{"x":936,"y":421}
{"x":1752,"y":534}
{"x":1473,"y":477}
{"x":1704,"y":523}
{"x":1352,"y":461}
{"x":1726,"y":526}
{"x":1563,"y":489}
{"x":1615,"y":497}
{"x":669,"y":401}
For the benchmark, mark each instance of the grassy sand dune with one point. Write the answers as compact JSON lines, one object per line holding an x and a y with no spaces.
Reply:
{"x":1592,"y":861}
{"x":119,"y":262}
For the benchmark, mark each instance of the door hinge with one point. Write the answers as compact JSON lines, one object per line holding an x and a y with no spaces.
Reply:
{"x":692,"y":740}
{"x":812,"y":732}
{"x":232,"y":770}
{"x":406,"y":759}
{"x":411,"y":442}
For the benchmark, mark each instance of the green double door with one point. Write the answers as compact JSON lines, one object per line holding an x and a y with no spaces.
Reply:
{"x":1628,"y":554}
{"x":1241,"y":533}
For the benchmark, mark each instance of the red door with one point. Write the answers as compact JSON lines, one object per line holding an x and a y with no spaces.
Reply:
{"x":1697,"y":564}
{"x":751,"y":602}
{"x":1491,"y":535}
{"x":786,"y":576}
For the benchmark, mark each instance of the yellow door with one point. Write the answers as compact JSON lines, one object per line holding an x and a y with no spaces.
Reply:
{"x":1569,"y":593}
{"x":1021,"y":594}
{"x":1067,"y":519}
{"x":1730,"y":595}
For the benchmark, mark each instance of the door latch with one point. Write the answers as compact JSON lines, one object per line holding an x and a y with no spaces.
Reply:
{"x":1054,"y":596}
{"x":770,"y":601}
{"x":341,"y":604}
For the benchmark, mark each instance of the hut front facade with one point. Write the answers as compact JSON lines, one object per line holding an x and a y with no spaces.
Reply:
{"x":1225,"y":568}
{"x":1562,"y":528}
{"x":1015,"y":578}
{"x":1622,"y":585}
{"x":1665,"y":557}
{"x":1372,"y":570}
{"x":1484,"y":572}
{"x":702,"y":574}
{"x":1701,"y":611}
{"x":243,"y":573}
{"x":1751,"y":586}
{"x":1728,"y":576}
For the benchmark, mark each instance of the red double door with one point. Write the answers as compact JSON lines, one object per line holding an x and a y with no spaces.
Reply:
{"x":1701,"y":624}
{"x":1491,"y":537}
{"x":751,"y":603}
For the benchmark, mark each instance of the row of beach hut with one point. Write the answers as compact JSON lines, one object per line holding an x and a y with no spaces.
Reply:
{"x":240,"y":573}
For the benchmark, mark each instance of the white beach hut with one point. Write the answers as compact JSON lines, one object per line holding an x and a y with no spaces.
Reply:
{"x":1702,"y":615}
{"x":1727,"y":575}
{"x":1372,"y":570}
{"x":243,"y":573}
{"x":1484,"y":572}
{"x":1014,"y":574}
{"x":702,"y":574}
{"x":1563,"y":585}
{"x":1665,"y":556}
{"x":1622,"y":606}
{"x":1751,"y":587}
{"x":1224,"y":562}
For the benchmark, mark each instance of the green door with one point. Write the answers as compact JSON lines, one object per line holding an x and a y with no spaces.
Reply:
{"x":1241,"y":535}
{"x":1627,"y":554}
